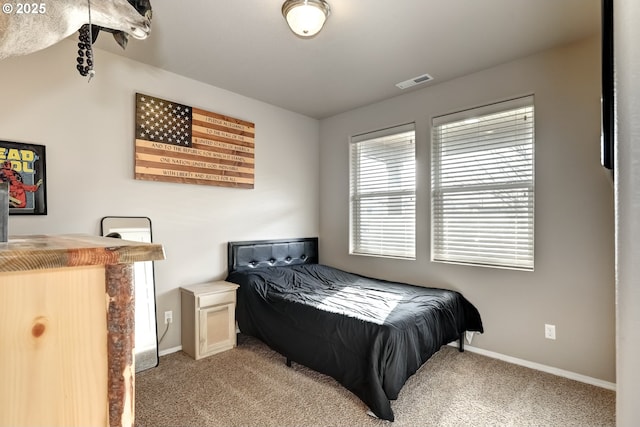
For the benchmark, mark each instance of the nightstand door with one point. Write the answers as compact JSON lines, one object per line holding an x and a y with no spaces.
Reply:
{"x":217,"y":329}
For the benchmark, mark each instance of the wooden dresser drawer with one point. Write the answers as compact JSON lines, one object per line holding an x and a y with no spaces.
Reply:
{"x":216,"y":299}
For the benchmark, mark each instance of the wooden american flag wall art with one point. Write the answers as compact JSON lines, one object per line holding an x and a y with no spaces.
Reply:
{"x":178,"y":143}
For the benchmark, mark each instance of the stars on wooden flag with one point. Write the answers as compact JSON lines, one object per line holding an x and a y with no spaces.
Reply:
{"x":158,"y":120}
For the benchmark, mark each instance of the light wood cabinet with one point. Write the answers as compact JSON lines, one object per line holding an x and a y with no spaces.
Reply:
{"x":208,"y":318}
{"x":66,"y":330}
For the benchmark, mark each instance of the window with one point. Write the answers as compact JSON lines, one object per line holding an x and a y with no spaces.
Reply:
{"x":482,"y":186}
{"x":383,"y":193}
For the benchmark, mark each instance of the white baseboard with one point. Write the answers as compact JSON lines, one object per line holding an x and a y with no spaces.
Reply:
{"x":540,"y":367}
{"x":169,"y":350}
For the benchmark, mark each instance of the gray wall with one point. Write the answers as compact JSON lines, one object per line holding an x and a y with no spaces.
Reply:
{"x":88,"y":133}
{"x":573,"y":282}
{"x":627,"y":16}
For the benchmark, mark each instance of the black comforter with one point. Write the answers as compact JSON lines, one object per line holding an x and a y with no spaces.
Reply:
{"x":368,"y":334}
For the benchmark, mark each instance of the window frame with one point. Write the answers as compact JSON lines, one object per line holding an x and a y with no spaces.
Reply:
{"x":489,"y":190}
{"x":356,"y":240}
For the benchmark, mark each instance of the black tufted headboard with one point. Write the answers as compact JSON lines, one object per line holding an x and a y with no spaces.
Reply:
{"x":268,"y":253}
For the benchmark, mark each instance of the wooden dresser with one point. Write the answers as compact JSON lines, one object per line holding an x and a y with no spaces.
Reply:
{"x":67,"y":329}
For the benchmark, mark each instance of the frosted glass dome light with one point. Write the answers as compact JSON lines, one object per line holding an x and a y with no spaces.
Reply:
{"x":306,"y":17}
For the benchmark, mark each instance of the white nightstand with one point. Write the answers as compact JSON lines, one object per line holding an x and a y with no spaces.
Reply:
{"x":208,"y":318}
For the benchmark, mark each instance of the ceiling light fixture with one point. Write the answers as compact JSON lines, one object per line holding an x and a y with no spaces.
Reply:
{"x":306,"y":17}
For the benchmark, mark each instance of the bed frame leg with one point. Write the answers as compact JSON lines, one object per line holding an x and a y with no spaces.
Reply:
{"x":288,"y":362}
{"x":461,"y":343}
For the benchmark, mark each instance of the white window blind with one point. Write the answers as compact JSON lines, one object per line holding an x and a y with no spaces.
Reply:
{"x":482,"y":186}
{"x":383,"y":193}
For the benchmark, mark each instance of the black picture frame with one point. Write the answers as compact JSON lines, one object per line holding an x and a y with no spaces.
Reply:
{"x":607,"y":138}
{"x":23,"y":166}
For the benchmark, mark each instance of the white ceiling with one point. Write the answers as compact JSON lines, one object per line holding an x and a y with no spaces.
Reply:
{"x":365,"y":48}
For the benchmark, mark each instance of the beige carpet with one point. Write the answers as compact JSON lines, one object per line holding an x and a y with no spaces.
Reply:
{"x":251,"y":386}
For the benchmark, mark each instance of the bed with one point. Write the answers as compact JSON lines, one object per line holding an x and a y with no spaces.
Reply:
{"x":370,"y":335}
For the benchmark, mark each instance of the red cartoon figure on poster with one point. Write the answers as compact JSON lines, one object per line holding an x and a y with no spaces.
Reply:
{"x":17,"y":188}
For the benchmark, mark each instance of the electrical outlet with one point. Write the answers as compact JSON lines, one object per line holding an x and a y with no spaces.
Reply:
{"x":550,"y":331}
{"x":168,"y":317}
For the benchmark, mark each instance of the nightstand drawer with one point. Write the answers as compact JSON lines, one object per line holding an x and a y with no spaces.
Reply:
{"x":216,"y":299}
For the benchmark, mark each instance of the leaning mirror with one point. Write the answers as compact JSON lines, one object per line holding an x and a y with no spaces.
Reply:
{"x":146,"y":342}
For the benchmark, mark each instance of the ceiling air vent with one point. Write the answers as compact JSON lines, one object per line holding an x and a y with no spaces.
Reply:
{"x":414,"y":81}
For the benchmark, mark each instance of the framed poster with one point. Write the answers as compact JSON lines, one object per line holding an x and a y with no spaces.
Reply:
{"x":23,"y":166}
